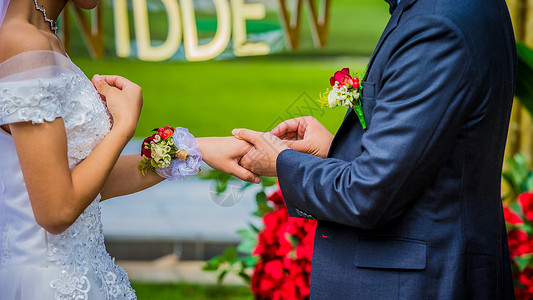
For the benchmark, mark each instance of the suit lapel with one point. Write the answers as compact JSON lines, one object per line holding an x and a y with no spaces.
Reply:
{"x":391,"y":25}
{"x":393,"y":4}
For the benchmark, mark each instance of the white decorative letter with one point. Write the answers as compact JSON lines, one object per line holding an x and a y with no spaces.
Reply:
{"x":122,"y":31}
{"x":241,"y":12}
{"x":195,"y":52}
{"x":145,"y":50}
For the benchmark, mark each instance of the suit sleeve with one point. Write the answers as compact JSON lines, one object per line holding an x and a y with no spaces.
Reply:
{"x":426,"y":93}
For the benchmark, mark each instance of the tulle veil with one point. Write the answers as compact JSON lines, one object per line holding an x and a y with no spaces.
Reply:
{"x":3,"y":8}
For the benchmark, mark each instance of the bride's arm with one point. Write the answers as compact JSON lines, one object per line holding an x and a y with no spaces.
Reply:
{"x":126,"y":178}
{"x":221,"y":153}
{"x":58,"y":195}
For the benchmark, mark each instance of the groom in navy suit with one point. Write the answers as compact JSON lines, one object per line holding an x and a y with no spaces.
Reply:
{"x":409,"y":208}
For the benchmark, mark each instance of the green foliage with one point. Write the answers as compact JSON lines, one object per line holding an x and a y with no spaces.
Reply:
{"x":174,"y":291}
{"x":268,"y":181}
{"x":524,"y":80}
{"x":518,"y":176}
{"x":239,"y":261}
{"x":526,"y":227}
{"x":145,"y":165}
{"x":262,"y":204}
{"x":249,"y":239}
{"x":221,"y":180}
{"x":230,"y":262}
{"x":224,"y":263}
{"x":524,"y":261}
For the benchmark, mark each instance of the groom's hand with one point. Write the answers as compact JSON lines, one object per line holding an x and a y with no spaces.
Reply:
{"x":305,"y":135}
{"x":261,"y":159}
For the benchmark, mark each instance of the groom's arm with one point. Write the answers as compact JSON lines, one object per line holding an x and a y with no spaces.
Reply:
{"x":425,"y":97}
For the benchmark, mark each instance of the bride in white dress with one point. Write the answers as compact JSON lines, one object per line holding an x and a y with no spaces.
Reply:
{"x":60,"y":150}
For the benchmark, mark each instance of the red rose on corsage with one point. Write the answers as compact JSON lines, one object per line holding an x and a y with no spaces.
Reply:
{"x":146,"y":150}
{"x":346,"y":92}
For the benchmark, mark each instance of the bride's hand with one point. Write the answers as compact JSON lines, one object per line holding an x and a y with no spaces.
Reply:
{"x":124,"y":101}
{"x":224,"y":153}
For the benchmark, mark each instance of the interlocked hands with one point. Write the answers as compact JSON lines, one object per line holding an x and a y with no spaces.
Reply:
{"x":251,"y":154}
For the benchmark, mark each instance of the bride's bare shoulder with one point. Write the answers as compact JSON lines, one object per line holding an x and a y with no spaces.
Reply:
{"x":18,"y":38}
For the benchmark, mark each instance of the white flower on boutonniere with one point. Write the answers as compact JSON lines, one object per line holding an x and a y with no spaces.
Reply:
{"x":346,"y":91}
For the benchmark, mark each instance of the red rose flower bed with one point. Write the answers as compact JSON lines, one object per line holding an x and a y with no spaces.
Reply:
{"x":285,"y":250}
{"x":519,"y":218}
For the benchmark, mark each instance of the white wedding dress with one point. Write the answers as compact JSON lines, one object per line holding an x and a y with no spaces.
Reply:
{"x":40,"y":86}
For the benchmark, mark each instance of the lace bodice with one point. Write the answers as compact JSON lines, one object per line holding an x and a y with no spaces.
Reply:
{"x":76,"y":262}
{"x":80,"y":250}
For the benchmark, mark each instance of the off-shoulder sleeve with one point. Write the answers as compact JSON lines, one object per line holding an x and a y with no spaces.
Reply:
{"x":32,"y":87}
{"x":31,"y":100}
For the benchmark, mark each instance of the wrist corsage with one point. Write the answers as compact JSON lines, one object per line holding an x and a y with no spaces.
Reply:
{"x":171,"y":153}
{"x":347,"y":91}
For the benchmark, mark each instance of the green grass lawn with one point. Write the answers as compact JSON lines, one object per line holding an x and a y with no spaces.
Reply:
{"x":211,"y":98}
{"x":177,"y":291}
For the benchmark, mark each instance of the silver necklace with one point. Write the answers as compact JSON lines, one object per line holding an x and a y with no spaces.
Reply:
{"x":53,"y":24}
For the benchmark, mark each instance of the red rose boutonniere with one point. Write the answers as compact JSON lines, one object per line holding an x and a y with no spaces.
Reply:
{"x":346,"y":91}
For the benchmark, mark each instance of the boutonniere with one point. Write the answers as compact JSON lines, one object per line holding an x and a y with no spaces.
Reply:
{"x":346,"y":91}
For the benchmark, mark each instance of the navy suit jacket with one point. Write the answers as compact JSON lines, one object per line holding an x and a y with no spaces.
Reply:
{"x":410,"y":208}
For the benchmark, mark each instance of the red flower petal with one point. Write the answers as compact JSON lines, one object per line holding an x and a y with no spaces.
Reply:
{"x":283,"y":271}
{"x":526,"y":200}
{"x":511,"y":217}
{"x":147,"y":152}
